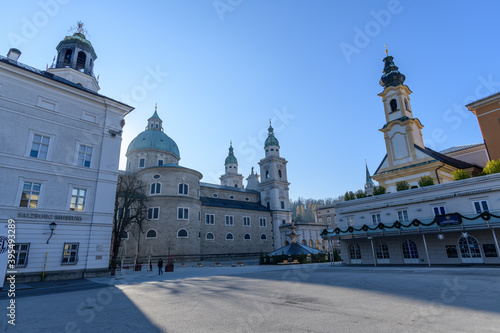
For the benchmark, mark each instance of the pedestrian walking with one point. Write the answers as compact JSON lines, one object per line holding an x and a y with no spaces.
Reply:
{"x":160,"y":266}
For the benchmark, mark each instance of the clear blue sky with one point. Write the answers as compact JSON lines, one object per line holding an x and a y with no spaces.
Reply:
{"x":312,"y":66}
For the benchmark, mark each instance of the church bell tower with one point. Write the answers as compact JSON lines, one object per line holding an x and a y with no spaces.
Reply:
{"x":274,"y":185}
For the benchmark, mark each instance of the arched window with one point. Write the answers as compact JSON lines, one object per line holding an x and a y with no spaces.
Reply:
{"x":310,"y":243}
{"x":407,"y":107}
{"x":229,"y":236}
{"x":80,"y":61}
{"x":268,"y":205}
{"x":246,"y":237}
{"x":279,"y":173}
{"x":287,"y":243}
{"x":382,"y":251}
{"x":304,"y":242}
{"x":184,"y":189}
{"x":394,"y":105}
{"x":354,"y":252}
{"x":469,"y":247}
{"x":318,"y":246}
{"x":267,"y":174}
{"x":182,"y":233}
{"x":263,"y":237}
{"x":209,"y":236}
{"x":67,"y":57}
{"x":409,"y":249}
{"x":151,"y":234}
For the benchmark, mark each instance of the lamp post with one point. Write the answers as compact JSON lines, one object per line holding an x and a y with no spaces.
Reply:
{"x":52,"y":227}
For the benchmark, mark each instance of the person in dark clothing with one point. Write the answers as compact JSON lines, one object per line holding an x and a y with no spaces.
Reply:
{"x":160,"y":266}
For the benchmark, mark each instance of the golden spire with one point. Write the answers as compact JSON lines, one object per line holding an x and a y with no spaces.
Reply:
{"x":386,"y":51}
{"x":156,"y":107}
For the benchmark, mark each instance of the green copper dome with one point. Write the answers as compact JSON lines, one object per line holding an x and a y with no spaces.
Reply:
{"x":230,"y":157}
{"x":154,"y":138}
{"x":271,"y":139}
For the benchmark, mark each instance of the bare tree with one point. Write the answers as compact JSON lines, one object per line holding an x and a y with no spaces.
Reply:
{"x":130,"y":210}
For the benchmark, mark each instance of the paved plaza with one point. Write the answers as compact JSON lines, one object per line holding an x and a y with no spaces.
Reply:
{"x":252,"y":298}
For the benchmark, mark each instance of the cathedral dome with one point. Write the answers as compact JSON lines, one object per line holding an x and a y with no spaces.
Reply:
{"x":154,"y":140}
{"x":230,"y":157}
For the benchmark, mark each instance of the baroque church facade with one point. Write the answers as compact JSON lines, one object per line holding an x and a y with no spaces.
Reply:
{"x":191,"y":219}
{"x":450,"y":222}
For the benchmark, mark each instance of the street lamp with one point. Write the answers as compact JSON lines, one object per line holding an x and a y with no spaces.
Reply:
{"x":52,"y":227}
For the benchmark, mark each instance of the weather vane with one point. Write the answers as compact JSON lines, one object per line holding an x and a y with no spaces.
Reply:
{"x":386,"y":51}
{"x":156,"y":106}
{"x":79,"y":29}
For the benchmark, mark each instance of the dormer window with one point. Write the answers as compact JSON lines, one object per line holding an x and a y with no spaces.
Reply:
{"x":394,"y":105}
{"x":156,"y":126}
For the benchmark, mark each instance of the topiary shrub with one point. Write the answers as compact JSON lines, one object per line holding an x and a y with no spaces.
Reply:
{"x":492,"y":167}
{"x":377,"y":190}
{"x":460,"y":174}
{"x":402,"y":185}
{"x":426,"y":181}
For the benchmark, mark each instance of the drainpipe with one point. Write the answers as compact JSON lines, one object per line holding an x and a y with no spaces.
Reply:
{"x":437,"y":176}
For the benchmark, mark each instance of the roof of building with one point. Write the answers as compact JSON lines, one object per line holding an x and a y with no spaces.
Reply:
{"x":223,"y":187}
{"x":295,"y":249}
{"x":271,"y":139}
{"x":437,"y":156}
{"x":458,"y":148}
{"x":53,"y":77}
{"x":154,"y":140}
{"x":230,"y":156}
{"x":234,"y":204}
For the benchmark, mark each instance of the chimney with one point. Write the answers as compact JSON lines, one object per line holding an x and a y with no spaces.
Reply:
{"x":13,"y":54}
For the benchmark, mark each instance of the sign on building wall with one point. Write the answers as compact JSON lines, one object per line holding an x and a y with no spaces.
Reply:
{"x":448,"y":219}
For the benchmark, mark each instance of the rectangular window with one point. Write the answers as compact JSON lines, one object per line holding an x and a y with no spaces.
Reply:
{"x":349,"y":221}
{"x":229,"y":220}
{"x":209,"y":219}
{"x":282,"y":205}
{"x":183,"y":189}
{"x":376,"y":219}
{"x":70,"y":254}
{"x":142,"y":162}
{"x":30,"y":195}
{"x":320,"y":220}
{"x":153,"y":213}
{"x":156,"y":188}
{"x":481,"y":206}
{"x":78,"y":196}
{"x":439,"y":210}
{"x":182,"y":213}
{"x":490,"y":250}
{"x":120,"y":213}
{"x":262,"y":222}
{"x":84,"y":156}
{"x":21,"y":251}
{"x":160,"y":162}
{"x":451,"y":251}
{"x":40,"y":146}
{"x":246,"y":221}
{"x":403,"y":216}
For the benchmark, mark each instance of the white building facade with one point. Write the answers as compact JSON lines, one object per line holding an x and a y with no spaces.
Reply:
{"x":59,"y":163}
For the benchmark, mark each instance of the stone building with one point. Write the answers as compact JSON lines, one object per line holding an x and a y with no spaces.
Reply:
{"x":59,"y":162}
{"x":191,"y":219}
